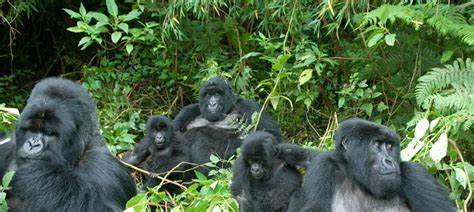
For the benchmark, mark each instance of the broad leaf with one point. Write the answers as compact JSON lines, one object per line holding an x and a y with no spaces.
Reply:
{"x":112,"y":7}
{"x":439,"y":149}
{"x":116,"y":36}
{"x":305,"y":76}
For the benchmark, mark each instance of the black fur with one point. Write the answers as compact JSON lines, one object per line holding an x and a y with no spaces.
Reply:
{"x":63,"y":163}
{"x":352,"y":178}
{"x":163,"y":159}
{"x":215,"y":131}
{"x":272,"y":185}
{"x":7,"y":154}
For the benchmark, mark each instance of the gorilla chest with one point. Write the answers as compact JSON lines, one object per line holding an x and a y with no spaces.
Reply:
{"x":349,"y":197}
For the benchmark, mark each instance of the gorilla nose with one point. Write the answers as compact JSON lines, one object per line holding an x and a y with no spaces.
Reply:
{"x":387,"y":162}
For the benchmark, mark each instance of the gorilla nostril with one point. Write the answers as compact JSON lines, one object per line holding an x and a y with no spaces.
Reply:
{"x":387,"y":162}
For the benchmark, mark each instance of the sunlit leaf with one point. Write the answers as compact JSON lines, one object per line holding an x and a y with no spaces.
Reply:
{"x":305,"y":76}
{"x":99,"y":17}
{"x":112,"y":7}
{"x":421,"y":128}
{"x":374,"y":39}
{"x":390,"y":39}
{"x":116,"y":36}
{"x":132,"y":15}
{"x":7,"y":178}
{"x":439,"y":149}
{"x":129,"y":48}
{"x":434,"y":123}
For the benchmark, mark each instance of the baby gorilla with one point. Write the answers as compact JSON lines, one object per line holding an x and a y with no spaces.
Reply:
{"x":162,"y":150}
{"x":261,"y":180}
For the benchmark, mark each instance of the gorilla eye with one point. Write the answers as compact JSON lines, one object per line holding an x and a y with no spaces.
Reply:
{"x":389,"y":146}
{"x":377,"y":143}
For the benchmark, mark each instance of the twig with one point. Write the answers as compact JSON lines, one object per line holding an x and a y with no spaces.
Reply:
{"x":469,"y":196}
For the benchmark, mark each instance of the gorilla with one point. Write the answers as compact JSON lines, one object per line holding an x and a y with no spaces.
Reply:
{"x":365,"y":173}
{"x":211,"y":125}
{"x":7,"y":154}
{"x":159,"y":152}
{"x":262,"y":179}
{"x":63,"y":162}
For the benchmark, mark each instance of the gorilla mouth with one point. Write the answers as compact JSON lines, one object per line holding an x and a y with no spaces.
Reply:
{"x":389,"y":172}
{"x":160,"y":144}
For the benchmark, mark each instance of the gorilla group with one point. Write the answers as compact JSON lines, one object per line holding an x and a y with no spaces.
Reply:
{"x":63,"y":162}
{"x":162,"y":150}
{"x":209,"y":126}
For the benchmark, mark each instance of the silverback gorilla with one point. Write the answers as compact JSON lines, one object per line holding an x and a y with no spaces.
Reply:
{"x":209,"y":126}
{"x":63,"y":163}
{"x":365,"y":173}
{"x":265,"y":175}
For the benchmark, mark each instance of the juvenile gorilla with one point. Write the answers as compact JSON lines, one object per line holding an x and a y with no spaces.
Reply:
{"x":210,"y":125}
{"x":63,"y":163}
{"x":365,"y":173}
{"x":262,"y":180}
{"x":162,"y":150}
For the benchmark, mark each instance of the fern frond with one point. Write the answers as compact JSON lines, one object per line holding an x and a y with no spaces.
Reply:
{"x":444,"y":19}
{"x":450,"y":88}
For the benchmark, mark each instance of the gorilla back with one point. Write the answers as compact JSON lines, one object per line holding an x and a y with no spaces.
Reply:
{"x":63,"y":163}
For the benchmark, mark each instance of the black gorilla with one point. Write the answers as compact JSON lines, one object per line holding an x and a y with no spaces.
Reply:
{"x":210,"y":125}
{"x":160,"y":151}
{"x":365,"y":173}
{"x":262,"y":179}
{"x":7,"y":154}
{"x":63,"y":163}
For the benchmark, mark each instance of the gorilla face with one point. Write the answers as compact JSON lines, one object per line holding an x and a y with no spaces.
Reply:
{"x":258,"y":151}
{"x":160,"y":131}
{"x":216,"y":99}
{"x":373,"y":154}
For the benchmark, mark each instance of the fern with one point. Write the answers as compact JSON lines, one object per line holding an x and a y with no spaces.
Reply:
{"x":450,"y":89}
{"x":444,"y":19}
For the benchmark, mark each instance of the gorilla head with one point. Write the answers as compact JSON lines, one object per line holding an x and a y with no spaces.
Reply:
{"x":57,"y":123}
{"x":258,"y":150}
{"x":159,"y":132}
{"x":372,"y":152}
{"x":216,"y":99}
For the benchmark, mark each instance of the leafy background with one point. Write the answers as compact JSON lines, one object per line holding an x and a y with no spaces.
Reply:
{"x":311,"y":64}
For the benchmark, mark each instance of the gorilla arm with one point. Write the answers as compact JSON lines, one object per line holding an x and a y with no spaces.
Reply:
{"x":319,"y":184}
{"x":241,"y":185}
{"x":185,"y":116}
{"x":248,"y":107}
{"x":139,"y":154}
{"x":422,"y":191}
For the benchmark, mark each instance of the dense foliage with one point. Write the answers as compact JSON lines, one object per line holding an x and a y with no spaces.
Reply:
{"x":311,"y":64}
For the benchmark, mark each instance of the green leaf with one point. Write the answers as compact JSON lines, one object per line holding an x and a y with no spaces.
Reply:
{"x":7,"y":178}
{"x":460,"y":176}
{"x":99,"y":17}
{"x":305,"y":76}
{"x":124,"y":27}
{"x":132,"y":15}
{"x":112,"y":7}
{"x":390,"y":39}
{"x":76,"y":29}
{"x":274,"y":100}
{"x":129,"y":48}
{"x":138,"y":202}
{"x":116,"y":36}
{"x":214,"y":158}
{"x":368,"y":108}
{"x":251,"y":54}
{"x":381,"y":107}
{"x":200,"y":176}
{"x":446,"y":56}
{"x":280,"y":61}
{"x":72,"y":13}
{"x":82,"y":10}
{"x":84,"y":40}
{"x":374,"y":39}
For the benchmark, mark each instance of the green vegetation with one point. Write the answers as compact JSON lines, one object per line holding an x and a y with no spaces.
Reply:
{"x":311,"y":64}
